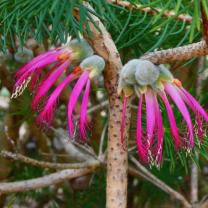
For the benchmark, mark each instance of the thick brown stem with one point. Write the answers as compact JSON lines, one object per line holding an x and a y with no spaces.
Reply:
{"x":116,"y":193}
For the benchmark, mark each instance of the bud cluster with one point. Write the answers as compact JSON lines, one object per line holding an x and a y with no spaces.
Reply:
{"x":138,"y":74}
{"x":82,"y":52}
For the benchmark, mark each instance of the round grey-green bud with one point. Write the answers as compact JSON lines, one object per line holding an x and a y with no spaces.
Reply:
{"x":127,"y":73}
{"x":146,"y":73}
{"x":81,"y":48}
{"x":23,"y":55}
{"x":165,"y":73}
{"x":95,"y":63}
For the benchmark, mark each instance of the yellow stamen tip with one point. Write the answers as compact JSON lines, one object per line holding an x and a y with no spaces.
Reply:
{"x":177,"y":82}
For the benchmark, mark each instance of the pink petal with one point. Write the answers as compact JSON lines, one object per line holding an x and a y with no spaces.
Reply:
{"x":29,"y":69}
{"x":200,"y":132}
{"x":160,"y":132}
{"x":140,"y":146}
{"x":172,"y":121}
{"x":150,"y":116}
{"x":46,"y":116}
{"x":47,"y":84}
{"x":197,"y":109}
{"x":172,"y":91}
{"x":35,"y":60}
{"x":34,"y":80}
{"x":192,"y":103}
{"x":123,"y":119}
{"x":83,"y":113}
{"x":73,"y":99}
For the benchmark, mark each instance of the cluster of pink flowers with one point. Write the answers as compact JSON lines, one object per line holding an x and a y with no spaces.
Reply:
{"x":86,"y":66}
{"x":150,"y":82}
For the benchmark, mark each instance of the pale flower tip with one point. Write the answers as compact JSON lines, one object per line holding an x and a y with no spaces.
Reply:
{"x":119,"y":91}
{"x":95,"y":64}
{"x":125,"y":91}
{"x":80,"y":49}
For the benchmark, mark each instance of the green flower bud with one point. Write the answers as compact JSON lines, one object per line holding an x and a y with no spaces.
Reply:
{"x":146,"y":73}
{"x":81,"y":49}
{"x":23,"y":55}
{"x":128,"y":72}
{"x":165,"y":74}
{"x":95,"y":64}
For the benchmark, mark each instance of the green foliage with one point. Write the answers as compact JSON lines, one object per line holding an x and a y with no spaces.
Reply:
{"x":41,"y":19}
{"x":92,"y":197}
{"x":134,"y":30}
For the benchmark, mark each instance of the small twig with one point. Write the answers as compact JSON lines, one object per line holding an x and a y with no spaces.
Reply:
{"x":194,"y":183}
{"x":43,"y":164}
{"x":134,"y":106}
{"x":153,"y":179}
{"x":102,"y":140}
{"x":194,"y":167}
{"x":44,"y":181}
{"x":182,"y":53}
{"x":95,"y":108}
{"x":86,"y":148}
{"x":132,"y":149}
{"x":140,"y":7}
{"x":72,"y":144}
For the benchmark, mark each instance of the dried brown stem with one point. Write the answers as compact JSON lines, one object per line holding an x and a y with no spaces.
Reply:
{"x":43,"y":164}
{"x":44,"y":181}
{"x":182,"y":53}
{"x":139,"y":7}
{"x":150,"y":177}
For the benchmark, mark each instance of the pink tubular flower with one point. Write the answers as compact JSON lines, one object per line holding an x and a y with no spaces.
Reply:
{"x":58,"y":59}
{"x":151,"y":83}
{"x":61,"y":58}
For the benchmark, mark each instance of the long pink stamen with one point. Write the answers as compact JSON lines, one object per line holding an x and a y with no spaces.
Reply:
{"x":172,"y":121}
{"x":73,"y":99}
{"x":140,"y":146}
{"x":37,"y":61}
{"x":83,"y":113}
{"x":193,"y":104}
{"x":46,"y":116}
{"x":47,"y":84}
{"x":29,"y":70}
{"x":150,"y":117}
{"x":159,"y":133}
{"x":172,"y":91}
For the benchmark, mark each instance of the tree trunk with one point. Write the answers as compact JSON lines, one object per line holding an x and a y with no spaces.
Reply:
{"x":117,"y":163}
